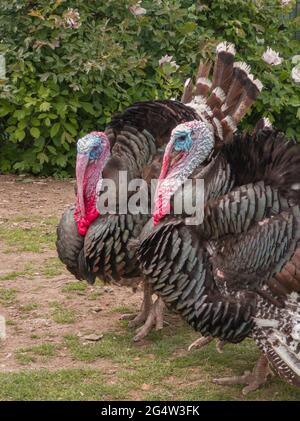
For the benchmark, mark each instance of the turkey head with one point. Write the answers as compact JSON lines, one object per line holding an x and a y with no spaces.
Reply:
{"x":93,"y":151}
{"x":190,"y":145}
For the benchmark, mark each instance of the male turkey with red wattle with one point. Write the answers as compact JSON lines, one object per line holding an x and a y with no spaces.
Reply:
{"x":238,"y":272}
{"x":93,"y":244}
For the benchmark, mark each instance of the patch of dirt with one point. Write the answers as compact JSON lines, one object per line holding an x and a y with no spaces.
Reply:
{"x":34,"y":196}
{"x":21,"y":197}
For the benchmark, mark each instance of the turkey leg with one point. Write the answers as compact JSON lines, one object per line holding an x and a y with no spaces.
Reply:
{"x":150,"y":315}
{"x":141,"y":317}
{"x":155,"y":319}
{"x":253,"y":379}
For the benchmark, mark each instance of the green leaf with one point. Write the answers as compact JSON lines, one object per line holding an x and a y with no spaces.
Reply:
{"x":187,"y":27}
{"x":35,"y":132}
{"x":61,"y":160}
{"x":42,"y":157}
{"x":45,"y":106}
{"x":88,"y":107}
{"x":52,"y":149}
{"x":4,"y":110}
{"x":294,"y":101}
{"x":71,"y":129}
{"x":19,"y":134}
{"x":54,"y":129}
{"x":19,"y":114}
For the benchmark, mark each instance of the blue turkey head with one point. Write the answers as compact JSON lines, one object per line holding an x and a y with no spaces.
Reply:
{"x":183,"y":140}
{"x":93,"y":151}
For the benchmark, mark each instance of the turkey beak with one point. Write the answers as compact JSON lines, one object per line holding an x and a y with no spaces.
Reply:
{"x":81,"y":166}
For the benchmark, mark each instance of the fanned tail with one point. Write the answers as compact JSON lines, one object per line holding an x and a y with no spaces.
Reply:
{"x":226,"y":99}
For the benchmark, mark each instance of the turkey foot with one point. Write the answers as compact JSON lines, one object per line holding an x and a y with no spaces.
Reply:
{"x":204,"y":340}
{"x":154,"y":318}
{"x":140,"y":318}
{"x":253,"y":379}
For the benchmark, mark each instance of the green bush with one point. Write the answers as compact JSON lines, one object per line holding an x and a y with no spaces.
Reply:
{"x":65,"y":81}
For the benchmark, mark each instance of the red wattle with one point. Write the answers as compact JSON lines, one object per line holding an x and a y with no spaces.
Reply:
{"x":83,"y":222}
{"x":160,"y":211}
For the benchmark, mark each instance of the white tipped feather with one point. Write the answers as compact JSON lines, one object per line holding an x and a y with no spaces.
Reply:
{"x":243,"y":66}
{"x":226,"y":46}
{"x":229,"y":120}
{"x":267,"y":123}
{"x":220,"y":94}
{"x":204,"y":81}
{"x":258,"y":84}
{"x":200,"y":106}
{"x":186,"y":83}
{"x":219,"y":128}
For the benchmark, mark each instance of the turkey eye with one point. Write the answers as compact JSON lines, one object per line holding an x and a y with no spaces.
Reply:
{"x":182,"y":137}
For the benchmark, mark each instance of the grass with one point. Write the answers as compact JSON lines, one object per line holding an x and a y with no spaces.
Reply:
{"x":94,"y":295}
{"x":187,"y":376}
{"x":75,"y":384}
{"x":7,"y":296}
{"x":123,"y":310}
{"x":33,"y":239}
{"x":160,"y":368}
{"x":52,"y":267}
{"x":10,"y":276}
{"x":28,"y":355}
{"x":28,"y":270}
{"x":27,"y":308}
{"x":75,"y":286}
{"x":62,"y":315}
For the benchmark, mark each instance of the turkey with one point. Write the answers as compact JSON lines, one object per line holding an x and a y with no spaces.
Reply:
{"x":95,"y":244}
{"x":237,"y":273}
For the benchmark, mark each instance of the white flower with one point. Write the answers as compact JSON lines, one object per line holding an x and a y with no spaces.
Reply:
{"x":296,"y":73}
{"x":285,"y":2}
{"x":168,"y":59}
{"x":137,"y":10}
{"x":165,"y":59}
{"x":296,"y":59}
{"x":272,"y":57}
{"x":72,"y":18}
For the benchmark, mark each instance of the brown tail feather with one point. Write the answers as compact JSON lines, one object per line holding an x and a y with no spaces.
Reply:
{"x":239,"y":79}
{"x":229,"y":127}
{"x":187,"y":95}
{"x":216,"y":98}
{"x":223,"y":68}
{"x":204,"y":69}
{"x":252,"y":90}
{"x":203,"y":86}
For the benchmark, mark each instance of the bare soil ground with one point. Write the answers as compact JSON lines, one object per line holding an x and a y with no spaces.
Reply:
{"x":26,"y":203}
{"x":49,"y":314}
